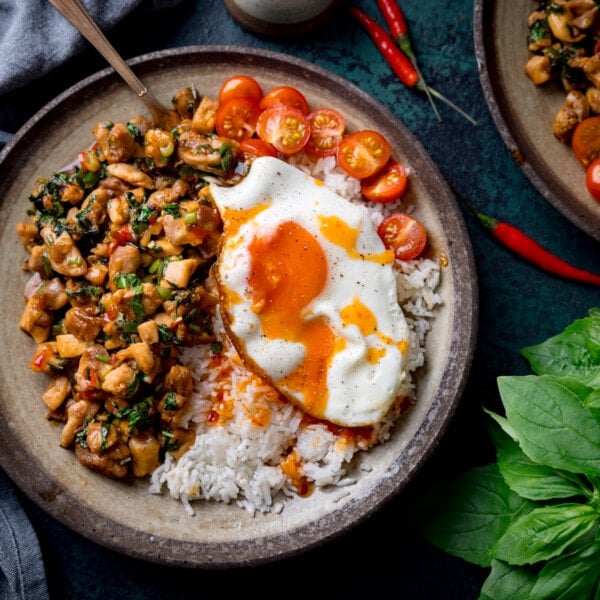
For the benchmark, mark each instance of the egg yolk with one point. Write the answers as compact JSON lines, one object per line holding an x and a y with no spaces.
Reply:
{"x":288,"y":270}
{"x":360,"y":315}
{"x":357,"y":313}
{"x":234,"y":219}
{"x":341,"y":234}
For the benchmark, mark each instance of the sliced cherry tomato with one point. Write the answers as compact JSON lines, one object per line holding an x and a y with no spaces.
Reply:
{"x":286,"y":95}
{"x":285,"y":127}
{"x":387,"y":185}
{"x":327,"y":128}
{"x":404,"y":235}
{"x":586,"y":140}
{"x":240,"y":86}
{"x":236,"y":118}
{"x":363,"y":153}
{"x":592,"y":179}
{"x":257,"y":147}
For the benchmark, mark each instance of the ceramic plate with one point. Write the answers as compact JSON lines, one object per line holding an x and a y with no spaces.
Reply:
{"x":524,"y":112}
{"x":125,"y":517}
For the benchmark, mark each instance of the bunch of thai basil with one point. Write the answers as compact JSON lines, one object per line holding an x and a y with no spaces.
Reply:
{"x":533,"y":516}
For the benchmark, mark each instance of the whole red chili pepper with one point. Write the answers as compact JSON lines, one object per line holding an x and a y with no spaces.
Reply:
{"x":394,"y":17}
{"x":392,"y":13}
{"x":401,"y":64}
{"x":526,"y":247}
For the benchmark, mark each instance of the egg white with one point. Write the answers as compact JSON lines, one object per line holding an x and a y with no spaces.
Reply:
{"x":367,"y":366}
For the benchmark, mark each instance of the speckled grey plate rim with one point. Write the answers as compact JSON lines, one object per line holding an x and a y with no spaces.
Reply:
{"x":523,"y":113}
{"x":449,"y":372}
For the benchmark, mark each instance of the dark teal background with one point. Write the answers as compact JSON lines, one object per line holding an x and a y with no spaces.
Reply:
{"x":519,"y":304}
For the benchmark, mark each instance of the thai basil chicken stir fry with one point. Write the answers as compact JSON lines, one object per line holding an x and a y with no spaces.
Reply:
{"x":121,"y":253}
{"x":120,"y":248}
{"x":564,"y":38}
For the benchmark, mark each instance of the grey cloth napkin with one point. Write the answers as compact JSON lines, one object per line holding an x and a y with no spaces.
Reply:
{"x":34,"y":40}
{"x":22,"y":573}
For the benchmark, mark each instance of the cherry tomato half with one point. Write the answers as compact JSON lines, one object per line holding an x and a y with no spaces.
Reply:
{"x":387,"y":185}
{"x":285,"y":127}
{"x":586,"y":140}
{"x":286,"y":95}
{"x":257,"y":147}
{"x":402,"y":234}
{"x":363,"y":153}
{"x":592,"y":179}
{"x":240,"y":86}
{"x":236,"y":118}
{"x":327,"y":128}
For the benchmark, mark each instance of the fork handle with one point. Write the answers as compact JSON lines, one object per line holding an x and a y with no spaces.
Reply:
{"x":77,"y":15}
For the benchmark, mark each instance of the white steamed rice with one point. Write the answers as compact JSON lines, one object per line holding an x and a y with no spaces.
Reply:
{"x":242,"y":458}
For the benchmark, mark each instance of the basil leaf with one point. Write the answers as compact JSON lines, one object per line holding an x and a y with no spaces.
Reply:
{"x":592,"y":403}
{"x":529,"y":479}
{"x":506,"y":582}
{"x":553,"y":426}
{"x":466,"y":515}
{"x":571,"y":576}
{"x":504,"y":424}
{"x":532,"y":480}
{"x":545,"y":532}
{"x":575,"y":352}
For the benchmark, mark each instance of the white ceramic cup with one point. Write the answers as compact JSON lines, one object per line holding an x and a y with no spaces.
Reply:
{"x":283,"y":12}
{"x":271,"y":17}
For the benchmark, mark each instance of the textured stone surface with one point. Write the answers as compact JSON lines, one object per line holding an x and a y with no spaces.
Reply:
{"x":519,"y":304}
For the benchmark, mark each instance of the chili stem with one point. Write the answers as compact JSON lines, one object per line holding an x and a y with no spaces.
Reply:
{"x":403,"y":42}
{"x":527,"y":248}
{"x":451,"y":104}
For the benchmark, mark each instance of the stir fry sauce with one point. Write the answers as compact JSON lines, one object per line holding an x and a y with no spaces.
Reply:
{"x":120,"y":248}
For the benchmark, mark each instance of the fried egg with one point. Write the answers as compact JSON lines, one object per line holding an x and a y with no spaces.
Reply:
{"x":308,"y":295}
